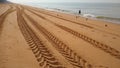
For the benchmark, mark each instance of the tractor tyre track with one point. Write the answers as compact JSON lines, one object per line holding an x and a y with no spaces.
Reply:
{"x":68,"y":53}
{"x":43,"y":55}
{"x":113,"y":52}
{"x":3,"y":17}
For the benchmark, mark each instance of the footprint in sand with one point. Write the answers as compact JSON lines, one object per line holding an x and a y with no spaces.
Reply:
{"x":113,"y":37}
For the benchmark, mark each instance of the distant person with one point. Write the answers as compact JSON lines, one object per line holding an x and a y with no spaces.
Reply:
{"x":79,"y":11}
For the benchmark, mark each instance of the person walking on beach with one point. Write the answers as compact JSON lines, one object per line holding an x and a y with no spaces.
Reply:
{"x":79,"y":11}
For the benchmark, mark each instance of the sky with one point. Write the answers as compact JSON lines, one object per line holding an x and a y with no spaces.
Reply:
{"x":113,"y":1}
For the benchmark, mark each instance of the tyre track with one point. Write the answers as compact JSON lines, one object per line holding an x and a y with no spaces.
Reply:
{"x":113,"y":52}
{"x":95,"y":43}
{"x":70,"y":55}
{"x":3,"y":16}
{"x":43,"y":55}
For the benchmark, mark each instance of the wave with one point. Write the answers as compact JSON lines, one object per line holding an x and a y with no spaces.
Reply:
{"x":109,"y":19}
{"x":62,"y":10}
{"x":103,"y":17}
{"x":89,"y":15}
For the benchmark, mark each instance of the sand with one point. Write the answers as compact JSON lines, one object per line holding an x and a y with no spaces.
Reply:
{"x":37,"y":38}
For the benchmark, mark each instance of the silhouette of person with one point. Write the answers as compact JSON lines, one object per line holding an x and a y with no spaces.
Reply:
{"x":79,"y":11}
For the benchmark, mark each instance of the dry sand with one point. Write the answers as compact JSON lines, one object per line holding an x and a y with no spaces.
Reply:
{"x":38,"y":38}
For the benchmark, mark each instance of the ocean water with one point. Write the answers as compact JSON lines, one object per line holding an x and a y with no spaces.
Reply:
{"x":102,"y":10}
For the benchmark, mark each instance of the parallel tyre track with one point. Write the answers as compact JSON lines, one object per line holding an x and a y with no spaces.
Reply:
{"x":41,"y":52}
{"x":95,"y":43}
{"x":76,"y":60}
{"x":3,"y":16}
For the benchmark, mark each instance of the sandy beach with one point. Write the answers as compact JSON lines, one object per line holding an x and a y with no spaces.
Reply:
{"x":37,"y":38}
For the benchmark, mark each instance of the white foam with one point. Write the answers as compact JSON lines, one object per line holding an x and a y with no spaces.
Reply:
{"x":89,"y":15}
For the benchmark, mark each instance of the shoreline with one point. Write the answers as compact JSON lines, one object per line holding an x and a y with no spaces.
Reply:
{"x":85,"y":11}
{"x":101,"y":18}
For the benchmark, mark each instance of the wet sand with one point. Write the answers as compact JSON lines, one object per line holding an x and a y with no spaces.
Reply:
{"x":37,"y":38}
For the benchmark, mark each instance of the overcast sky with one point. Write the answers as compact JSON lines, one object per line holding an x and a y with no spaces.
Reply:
{"x":113,"y":1}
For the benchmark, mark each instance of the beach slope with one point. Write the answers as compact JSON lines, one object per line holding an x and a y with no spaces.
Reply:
{"x":38,"y":38}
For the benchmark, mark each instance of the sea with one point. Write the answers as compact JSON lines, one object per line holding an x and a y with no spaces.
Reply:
{"x":105,"y":11}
